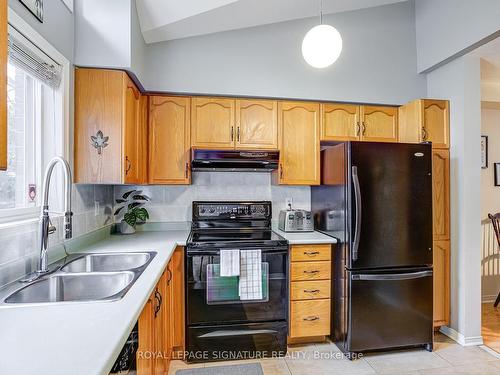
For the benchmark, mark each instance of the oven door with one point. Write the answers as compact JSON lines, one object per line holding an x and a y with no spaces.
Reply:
{"x":211,"y":299}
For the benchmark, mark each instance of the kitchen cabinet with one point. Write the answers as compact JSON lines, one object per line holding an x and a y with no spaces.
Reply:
{"x":299,"y":124}
{"x":169,"y":140}
{"x":3,"y":85}
{"x":425,"y":120}
{"x":212,"y":123}
{"x":379,"y":124}
{"x":310,"y":292}
{"x":152,"y":353}
{"x":175,"y":286}
{"x":441,"y":194}
{"x":256,"y":124}
{"x":441,"y":280}
{"x":110,"y":128}
{"x":340,"y":122}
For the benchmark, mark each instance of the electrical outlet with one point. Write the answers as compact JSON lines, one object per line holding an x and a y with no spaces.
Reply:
{"x":96,"y":208}
{"x":289,"y":203}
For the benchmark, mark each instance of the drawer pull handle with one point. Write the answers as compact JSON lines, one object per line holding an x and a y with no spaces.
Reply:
{"x":311,"y":253}
{"x":312,"y":271}
{"x":311,"y":290}
{"x":311,"y":318}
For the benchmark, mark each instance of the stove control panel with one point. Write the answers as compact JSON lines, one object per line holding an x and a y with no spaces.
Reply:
{"x":231,"y":210}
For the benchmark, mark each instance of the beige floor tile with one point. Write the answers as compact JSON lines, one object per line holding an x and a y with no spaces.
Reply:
{"x":275,"y":367}
{"x":329,"y":366}
{"x":459,"y":355}
{"x":481,"y":368}
{"x":405,"y":361}
{"x":442,"y":341}
{"x":180,"y":365}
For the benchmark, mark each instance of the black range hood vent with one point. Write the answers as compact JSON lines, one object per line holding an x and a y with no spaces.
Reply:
{"x":234,"y":161}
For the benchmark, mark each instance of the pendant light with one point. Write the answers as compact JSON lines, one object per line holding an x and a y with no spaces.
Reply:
{"x":322,"y":44}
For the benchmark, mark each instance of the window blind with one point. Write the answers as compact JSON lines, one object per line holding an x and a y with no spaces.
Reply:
{"x":27,"y":56}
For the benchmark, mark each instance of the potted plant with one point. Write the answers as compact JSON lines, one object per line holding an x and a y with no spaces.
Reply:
{"x":133,"y":202}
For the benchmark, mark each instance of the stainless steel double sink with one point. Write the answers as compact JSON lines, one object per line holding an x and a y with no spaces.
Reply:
{"x":86,"y":277}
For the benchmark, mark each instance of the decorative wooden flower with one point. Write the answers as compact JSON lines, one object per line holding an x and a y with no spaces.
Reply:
{"x":99,"y":141}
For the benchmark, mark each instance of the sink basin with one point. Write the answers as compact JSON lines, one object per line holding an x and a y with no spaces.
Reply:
{"x":75,"y":287}
{"x":108,"y":262}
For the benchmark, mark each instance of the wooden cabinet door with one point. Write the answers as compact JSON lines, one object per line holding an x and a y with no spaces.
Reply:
{"x":257,"y":124}
{"x":98,"y":111}
{"x":441,"y":194}
{"x":436,"y":126}
{"x":176,"y":296}
{"x":147,"y":344}
{"x":340,"y":122}
{"x":3,"y":85}
{"x":379,"y":124}
{"x":212,"y":123}
{"x":162,"y":322}
{"x":169,"y":140}
{"x":441,"y":254}
{"x":300,"y":149}
{"x":132,"y":151}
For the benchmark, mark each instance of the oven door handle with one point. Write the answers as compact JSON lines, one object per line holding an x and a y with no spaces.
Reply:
{"x":215,"y":334}
{"x":193,"y":253}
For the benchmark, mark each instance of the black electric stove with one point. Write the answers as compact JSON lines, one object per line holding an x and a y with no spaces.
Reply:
{"x":218,"y":324}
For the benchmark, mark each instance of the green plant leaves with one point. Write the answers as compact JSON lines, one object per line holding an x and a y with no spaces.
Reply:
{"x":130,"y":218}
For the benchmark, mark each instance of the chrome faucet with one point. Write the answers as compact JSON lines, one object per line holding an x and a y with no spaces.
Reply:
{"x":46,"y":227}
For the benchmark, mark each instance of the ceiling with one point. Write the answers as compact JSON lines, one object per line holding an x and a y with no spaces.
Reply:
{"x":174,"y":19}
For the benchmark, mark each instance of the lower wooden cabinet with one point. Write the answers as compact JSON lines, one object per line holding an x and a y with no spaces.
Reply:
{"x":161,"y":323}
{"x":441,"y":283}
{"x":310,"y":292}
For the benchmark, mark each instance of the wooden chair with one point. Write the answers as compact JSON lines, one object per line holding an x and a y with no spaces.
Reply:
{"x":495,"y":220}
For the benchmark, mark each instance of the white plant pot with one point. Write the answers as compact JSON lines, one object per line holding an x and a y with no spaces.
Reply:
{"x":126,"y":229}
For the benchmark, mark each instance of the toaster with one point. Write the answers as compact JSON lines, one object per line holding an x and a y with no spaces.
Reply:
{"x":296,"y":221}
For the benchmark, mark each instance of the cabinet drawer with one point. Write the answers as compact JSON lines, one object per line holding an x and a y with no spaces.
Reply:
{"x":303,"y":253}
{"x":310,"y":318}
{"x":310,"y":271}
{"x":304,"y":290}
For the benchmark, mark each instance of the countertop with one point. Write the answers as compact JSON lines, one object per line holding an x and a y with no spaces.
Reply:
{"x":82,"y":338}
{"x":85,"y":338}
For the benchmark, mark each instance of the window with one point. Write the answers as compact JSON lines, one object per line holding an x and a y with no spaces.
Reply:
{"x":37,"y":122}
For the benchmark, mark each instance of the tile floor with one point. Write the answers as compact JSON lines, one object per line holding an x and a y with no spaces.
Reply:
{"x":318,"y":359}
{"x":491,"y":326}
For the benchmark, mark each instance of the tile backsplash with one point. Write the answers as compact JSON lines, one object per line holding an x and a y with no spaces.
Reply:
{"x":20,"y":244}
{"x":173,"y":203}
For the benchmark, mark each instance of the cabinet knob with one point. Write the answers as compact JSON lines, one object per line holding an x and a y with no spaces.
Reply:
{"x":186,"y":170}
{"x":364,"y":127}
{"x":311,"y":318}
{"x":238,"y":135}
{"x":232,"y":133}
{"x":281,"y":170}
{"x":358,"y":128}
{"x":311,"y":253}
{"x":128,"y":164}
{"x":424,"y":134}
{"x":311,"y":290}
{"x":311,"y":272}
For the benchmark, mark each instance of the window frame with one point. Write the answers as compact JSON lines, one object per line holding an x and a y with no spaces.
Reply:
{"x":11,"y":216}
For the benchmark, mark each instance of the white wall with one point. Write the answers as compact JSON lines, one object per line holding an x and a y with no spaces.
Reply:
{"x":449,"y":27}
{"x":137,"y":45}
{"x":490,"y":203}
{"x":378,"y":62}
{"x":459,"y":81}
{"x":103,"y":33}
{"x":173,"y":203}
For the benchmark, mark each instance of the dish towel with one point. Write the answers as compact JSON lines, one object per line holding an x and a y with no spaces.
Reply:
{"x":250,"y":284}
{"x":229,"y":262}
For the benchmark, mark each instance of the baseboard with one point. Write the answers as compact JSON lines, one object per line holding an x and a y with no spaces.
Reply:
{"x":491,"y":351}
{"x":460,"y":338}
{"x":489,"y":298}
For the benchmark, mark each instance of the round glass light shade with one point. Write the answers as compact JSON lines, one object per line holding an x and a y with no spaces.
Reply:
{"x":322,"y":46}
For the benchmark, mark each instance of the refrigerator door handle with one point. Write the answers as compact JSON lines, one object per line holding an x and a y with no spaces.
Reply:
{"x":396,"y":276}
{"x":357,"y":230}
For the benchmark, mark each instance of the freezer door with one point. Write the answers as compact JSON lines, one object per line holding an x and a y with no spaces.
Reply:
{"x":390,"y":205}
{"x":389,"y":309}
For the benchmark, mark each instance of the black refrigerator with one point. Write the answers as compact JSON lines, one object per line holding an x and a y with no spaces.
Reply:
{"x":376,"y":199}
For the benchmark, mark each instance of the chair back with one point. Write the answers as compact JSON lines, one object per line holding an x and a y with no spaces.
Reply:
{"x":495,"y":220}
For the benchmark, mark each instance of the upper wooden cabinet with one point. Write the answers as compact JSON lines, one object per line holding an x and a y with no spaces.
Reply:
{"x":299,"y":124}
{"x":340,"y":122}
{"x":110,"y":128}
{"x":169,"y":140}
{"x":349,"y":122}
{"x":425,"y":120}
{"x":3,"y":85}
{"x":212,"y":123}
{"x":379,"y":124}
{"x":256,"y":124}
{"x":220,"y":123}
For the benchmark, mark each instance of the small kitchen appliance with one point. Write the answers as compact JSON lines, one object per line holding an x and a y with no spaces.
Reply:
{"x":296,"y":221}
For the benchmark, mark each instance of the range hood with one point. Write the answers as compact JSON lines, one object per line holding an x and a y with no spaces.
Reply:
{"x":234,"y":161}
